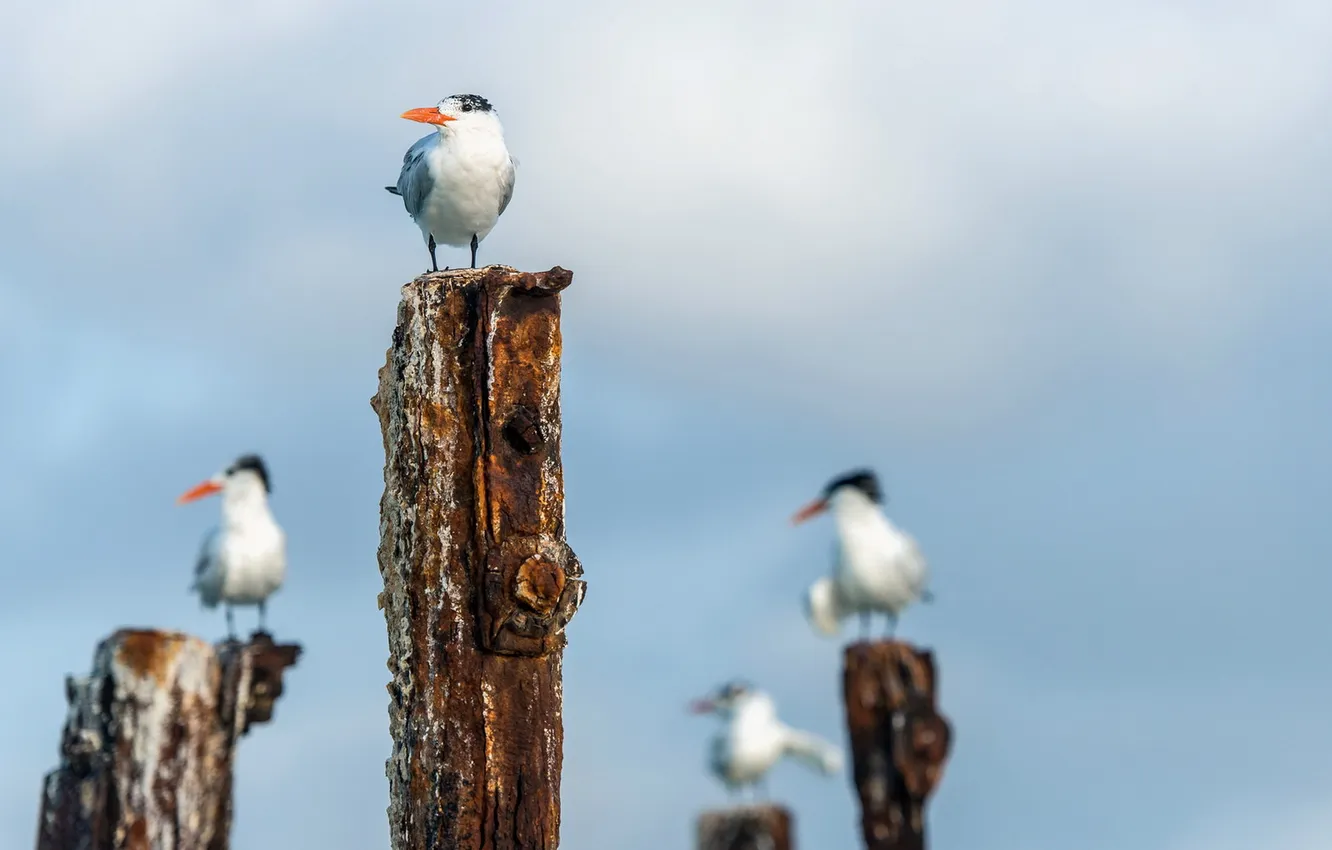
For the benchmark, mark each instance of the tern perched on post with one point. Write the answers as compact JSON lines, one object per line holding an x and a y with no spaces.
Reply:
{"x":752,"y":739}
{"x":457,"y":181}
{"x":244,"y":560}
{"x":876,"y":568}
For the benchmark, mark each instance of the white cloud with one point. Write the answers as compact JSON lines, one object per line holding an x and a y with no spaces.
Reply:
{"x":904,"y":211}
{"x":80,"y":66}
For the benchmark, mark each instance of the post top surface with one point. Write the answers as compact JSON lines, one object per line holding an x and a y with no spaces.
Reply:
{"x":547,"y":282}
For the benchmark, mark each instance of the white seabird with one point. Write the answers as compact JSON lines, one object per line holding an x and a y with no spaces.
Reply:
{"x":457,"y":181}
{"x":876,"y":566}
{"x":243,"y":561}
{"x":752,"y":738}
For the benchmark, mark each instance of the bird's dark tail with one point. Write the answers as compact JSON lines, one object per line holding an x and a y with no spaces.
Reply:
{"x":394,"y":190}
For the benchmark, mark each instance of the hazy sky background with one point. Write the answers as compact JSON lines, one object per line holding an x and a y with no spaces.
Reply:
{"x":1058,"y":270}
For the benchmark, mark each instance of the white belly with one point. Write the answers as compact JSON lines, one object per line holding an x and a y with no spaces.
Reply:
{"x":880,"y":576}
{"x":249,"y":568}
{"x":743,"y":759}
{"x":469,"y":186}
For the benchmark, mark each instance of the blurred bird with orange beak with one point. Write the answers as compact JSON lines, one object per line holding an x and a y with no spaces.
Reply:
{"x":457,"y":181}
{"x":752,"y":739}
{"x":244,"y":560}
{"x":877,"y":568}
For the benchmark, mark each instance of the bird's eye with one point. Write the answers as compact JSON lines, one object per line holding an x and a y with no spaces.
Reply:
{"x":467,"y":107}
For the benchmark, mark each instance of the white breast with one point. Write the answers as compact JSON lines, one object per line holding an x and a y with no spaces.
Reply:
{"x":252,"y":563}
{"x":878,"y":567}
{"x":748,"y":746}
{"x":471,"y":171}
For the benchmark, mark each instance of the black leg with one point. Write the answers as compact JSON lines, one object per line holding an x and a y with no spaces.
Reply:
{"x":231,"y":624}
{"x":434,"y":266}
{"x":262,"y":612}
{"x":892,"y":626}
{"x":474,"y":243}
{"x":865,"y":623}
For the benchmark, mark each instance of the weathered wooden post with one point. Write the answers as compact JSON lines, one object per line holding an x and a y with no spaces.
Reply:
{"x":747,"y":828}
{"x":149,"y":742}
{"x":899,"y":741}
{"x":478,"y":580}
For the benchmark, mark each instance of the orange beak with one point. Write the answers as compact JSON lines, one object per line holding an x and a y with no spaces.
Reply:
{"x":813,"y":509}
{"x":702,"y":706}
{"x":427,"y":115}
{"x":207,"y":488}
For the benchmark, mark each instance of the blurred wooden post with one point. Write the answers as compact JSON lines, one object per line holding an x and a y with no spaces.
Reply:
{"x":747,"y":828}
{"x":149,"y":742}
{"x":478,"y":580}
{"x":899,"y":741}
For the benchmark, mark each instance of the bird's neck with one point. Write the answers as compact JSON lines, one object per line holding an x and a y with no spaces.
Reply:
{"x":471,"y":135}
{"x":756,"y":710}
{"x":854,"y":512}
{"x":245,"y":509}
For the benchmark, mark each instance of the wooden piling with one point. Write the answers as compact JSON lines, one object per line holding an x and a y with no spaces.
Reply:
{"x":150,"y":741}
{"x":899,"y":740}
{"x":747,"y":828}
{"x":478,"y":580}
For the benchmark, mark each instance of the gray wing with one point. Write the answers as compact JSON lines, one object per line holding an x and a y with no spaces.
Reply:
{"x":207,"y":554}
{"x":507,"y":181}
{"x":719,"y":761}
{"x":414,"y":181}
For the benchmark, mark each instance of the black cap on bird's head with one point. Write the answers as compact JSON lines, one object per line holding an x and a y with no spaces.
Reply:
{"x":863,"y":480}
{"x":252,"y":463}
{"x":721,"y":699}
{"x":468,"y":103}
{"x":733,"y":689}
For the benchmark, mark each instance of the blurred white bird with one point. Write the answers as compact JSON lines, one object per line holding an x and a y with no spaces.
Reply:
{"x":457,"y":181}
{"x":752,"y":739}
{"x":876,"y":567}
{"x":244,"y":560}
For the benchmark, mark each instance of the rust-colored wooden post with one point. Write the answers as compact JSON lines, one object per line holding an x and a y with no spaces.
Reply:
{"x":747,"y":828}
{"x":899,"y":741}
{"x":149,"y":742}
{"x":478,"y":580}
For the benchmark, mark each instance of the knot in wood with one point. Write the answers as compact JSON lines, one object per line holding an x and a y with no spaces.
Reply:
{"x":539,"y":584}
{"x":269,"y":661}
{"x":524,"y":432}
{"x":925,"y":752}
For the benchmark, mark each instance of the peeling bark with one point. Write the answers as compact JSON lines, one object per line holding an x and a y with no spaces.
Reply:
{"x":747,"y":828}
{"x":147,"y":750}
{"x":478,"y":580}
{"x":899,"y":741}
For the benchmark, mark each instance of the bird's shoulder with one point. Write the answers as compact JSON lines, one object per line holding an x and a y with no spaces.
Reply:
{"x":419,"y":149}
{"x":208,"y":550}
{"x":414,"y":180}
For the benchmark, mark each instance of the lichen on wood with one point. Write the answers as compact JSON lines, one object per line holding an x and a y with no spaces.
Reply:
{"x":747,"y":828}
{"x":479,"y":582}
{"x":149,"y":741}
{"x":899,"y":740}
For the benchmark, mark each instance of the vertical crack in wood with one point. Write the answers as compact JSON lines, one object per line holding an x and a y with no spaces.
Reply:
{"x":479,"y":582}
{"x":899,"y":740}
{"x":149,"y":741}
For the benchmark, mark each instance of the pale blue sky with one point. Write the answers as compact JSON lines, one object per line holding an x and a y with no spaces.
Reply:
{"x":1058,"y":271}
